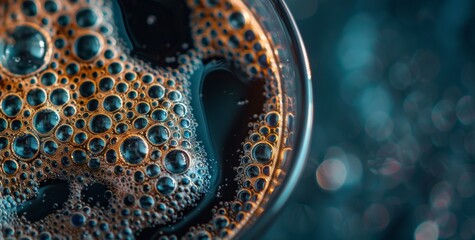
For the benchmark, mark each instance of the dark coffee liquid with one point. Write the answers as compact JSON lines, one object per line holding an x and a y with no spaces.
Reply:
{"x":135,"y":119}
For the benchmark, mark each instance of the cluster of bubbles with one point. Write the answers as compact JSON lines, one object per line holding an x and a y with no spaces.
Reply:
{"x":228,"y":28}
{"x":76,"y":107}
{"x":240,"y":39}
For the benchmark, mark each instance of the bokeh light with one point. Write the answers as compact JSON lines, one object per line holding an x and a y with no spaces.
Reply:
{"x":331,"y":174}
{"x":393,"y":146}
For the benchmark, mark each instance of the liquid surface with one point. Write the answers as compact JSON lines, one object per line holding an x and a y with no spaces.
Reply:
{"x":135,"y":119}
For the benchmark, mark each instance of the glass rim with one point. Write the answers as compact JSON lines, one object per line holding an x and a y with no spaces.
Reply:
{"x":303,"y":134}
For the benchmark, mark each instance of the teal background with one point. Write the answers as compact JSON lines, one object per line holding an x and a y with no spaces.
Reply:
{"x":394,"y":136}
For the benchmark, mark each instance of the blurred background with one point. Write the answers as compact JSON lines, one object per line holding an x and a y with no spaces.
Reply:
{"x":393,"y":151}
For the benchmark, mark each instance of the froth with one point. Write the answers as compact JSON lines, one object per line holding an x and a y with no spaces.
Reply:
{"x":116,"y":136}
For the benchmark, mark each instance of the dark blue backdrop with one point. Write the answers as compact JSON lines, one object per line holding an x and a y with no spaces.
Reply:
{"x":394,"y":140}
